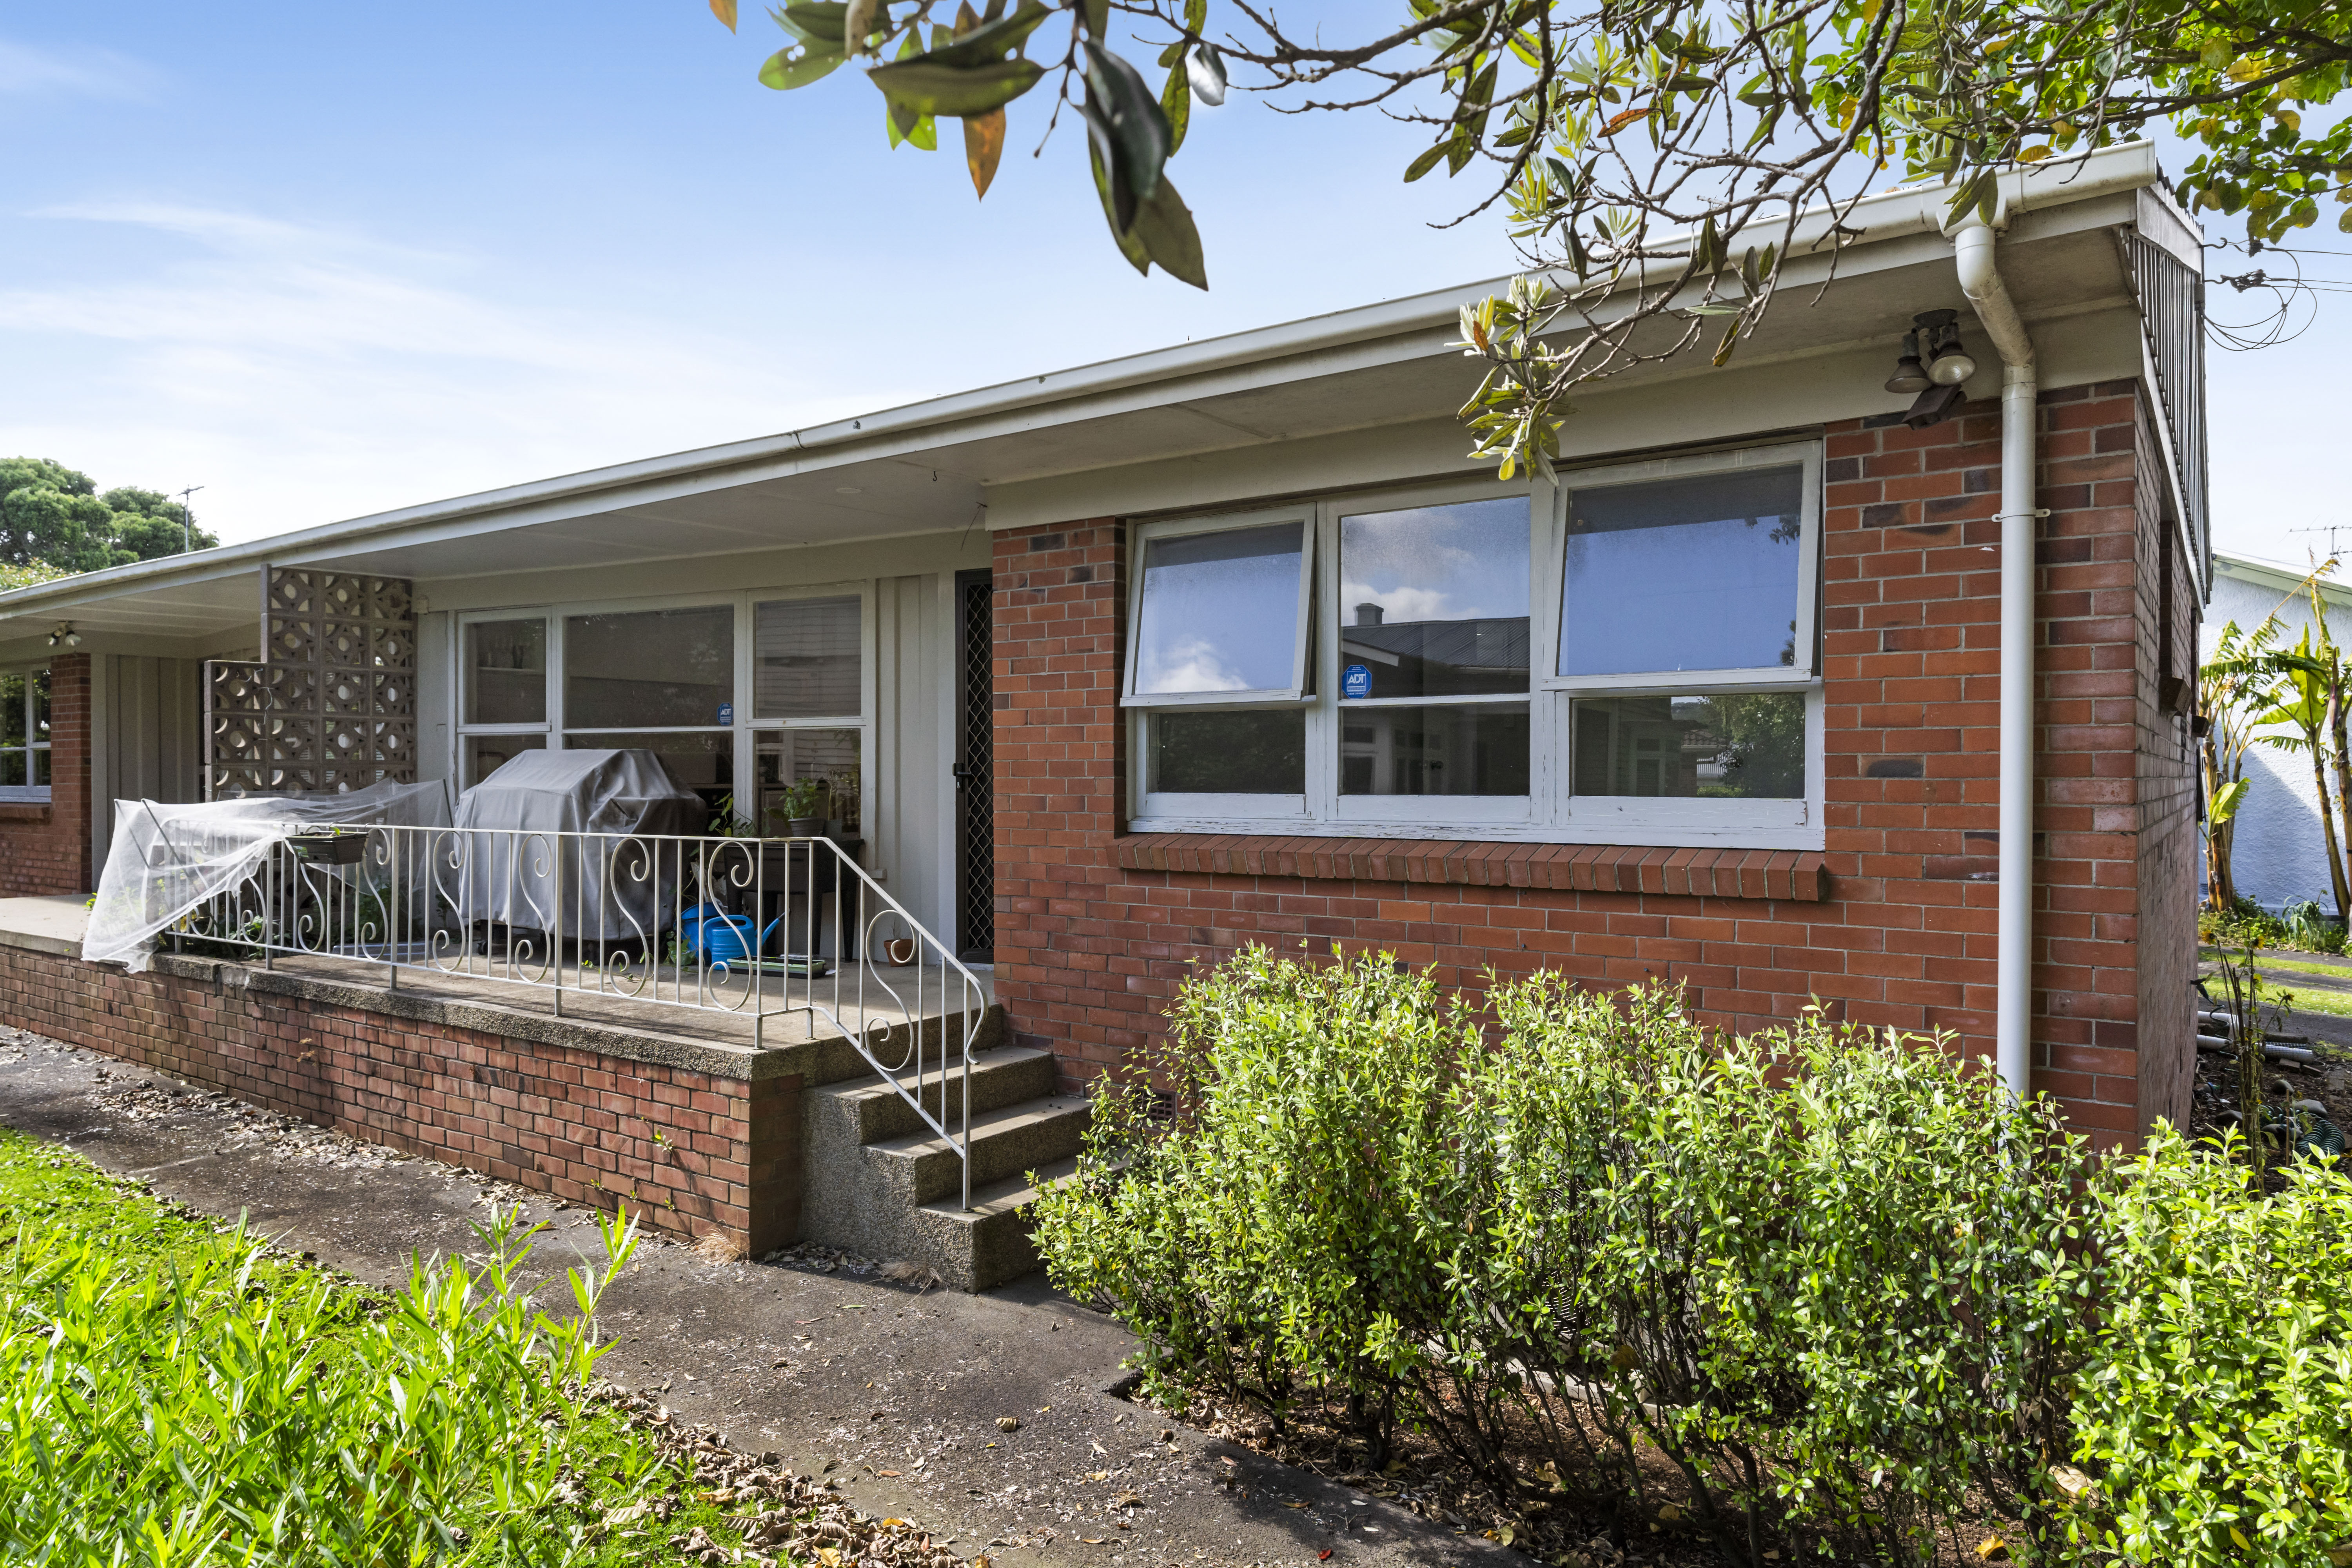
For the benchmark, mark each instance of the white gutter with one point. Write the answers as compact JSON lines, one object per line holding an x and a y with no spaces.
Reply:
{"x":1972,"y":248}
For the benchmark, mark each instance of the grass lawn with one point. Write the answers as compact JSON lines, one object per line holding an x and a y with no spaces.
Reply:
{"x":171,"y":1390}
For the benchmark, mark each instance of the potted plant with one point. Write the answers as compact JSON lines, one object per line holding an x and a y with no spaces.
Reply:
{"x":332,"y":847}
{"x":804,"y":807}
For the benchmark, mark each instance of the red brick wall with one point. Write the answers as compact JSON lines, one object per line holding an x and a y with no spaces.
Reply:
{"x":1095,"y":927}
{"x":45,"y":848}
{"x":689,"y":1151}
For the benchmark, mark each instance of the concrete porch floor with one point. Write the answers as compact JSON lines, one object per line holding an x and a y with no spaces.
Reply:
{"x":860,"y":996}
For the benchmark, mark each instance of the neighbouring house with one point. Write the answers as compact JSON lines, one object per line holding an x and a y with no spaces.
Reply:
{"x":2278,"y":853}
{"x":1779,"y":691}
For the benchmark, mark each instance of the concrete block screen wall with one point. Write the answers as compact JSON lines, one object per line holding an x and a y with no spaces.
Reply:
{"x":1891,"y":923}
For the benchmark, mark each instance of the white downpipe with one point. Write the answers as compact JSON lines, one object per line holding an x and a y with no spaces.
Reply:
{"x":1972,"y":248}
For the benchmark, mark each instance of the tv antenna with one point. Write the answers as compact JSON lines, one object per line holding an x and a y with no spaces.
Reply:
{"x":2331,"y":530}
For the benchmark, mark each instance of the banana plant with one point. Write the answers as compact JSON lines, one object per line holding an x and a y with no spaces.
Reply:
{"x":2304,"y":707}
{"x":2229,"y":687}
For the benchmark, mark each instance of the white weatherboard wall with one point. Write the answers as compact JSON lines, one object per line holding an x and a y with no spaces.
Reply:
{"x":2278,"y":854}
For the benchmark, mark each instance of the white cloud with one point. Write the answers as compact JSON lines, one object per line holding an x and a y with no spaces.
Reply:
{"x":1399,"y":603}
{"x":303,"y":374}
{"x":1189,"y":664}
{"x":28,"y":72}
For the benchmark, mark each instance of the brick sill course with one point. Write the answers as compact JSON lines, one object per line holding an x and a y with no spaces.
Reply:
{"x":1797,"y":874}
{"x":24,"y":811}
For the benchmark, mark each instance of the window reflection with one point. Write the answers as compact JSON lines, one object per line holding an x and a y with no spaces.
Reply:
{"x":1731,"y":745}
{"x":1687,"y":574}
{"x":1462,"y":749}
{"x":1228,"y":753}
{"x":1219,"y":612}
{"x":649,"y":668}
{"x":1433,"y":600}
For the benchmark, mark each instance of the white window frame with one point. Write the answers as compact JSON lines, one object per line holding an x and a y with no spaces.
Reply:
{"x":1547,"y":813}
{"x":1297,"y":694}
{"x":1766,"y":678}
{"x":548,"y":618}
{"x":744,"y":730}
{"x":747,"y":758}
{"x":30,"y":794}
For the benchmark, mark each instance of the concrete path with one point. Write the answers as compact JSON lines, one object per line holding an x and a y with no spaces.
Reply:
{"x":896,"y":1395}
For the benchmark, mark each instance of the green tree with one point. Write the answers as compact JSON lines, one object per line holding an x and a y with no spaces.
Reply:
{"x":1657,"y":151}
{"x":52,"y":517}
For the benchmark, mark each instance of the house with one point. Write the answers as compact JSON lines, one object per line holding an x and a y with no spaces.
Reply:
{"x":1772,"y":692}
{"x":2277,"y":851}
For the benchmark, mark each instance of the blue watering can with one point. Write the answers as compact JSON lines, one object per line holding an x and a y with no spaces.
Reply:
{"x":718,"y":938}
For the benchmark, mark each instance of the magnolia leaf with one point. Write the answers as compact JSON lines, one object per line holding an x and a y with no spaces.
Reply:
{"x":990,"y":40}
{"x":1618,"y":123}
{"x":860,"y":20}
{"x":1164,"y":225}
{"x":1122,"y":115}
{"x":1128,"y":245}
{"x":785,"y":70}
{"x":1097,"y":16}
{"x":1207,"y":69}
{"x":983,"y":144}
{"x":1176,"y":103}
{"x":1426,"y":162}
{"x":817,"y":23}
{"x":725,"y":11}
{"x":925,"y":86}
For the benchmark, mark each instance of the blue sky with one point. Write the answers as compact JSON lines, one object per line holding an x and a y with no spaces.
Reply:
{"x":324,"y":261}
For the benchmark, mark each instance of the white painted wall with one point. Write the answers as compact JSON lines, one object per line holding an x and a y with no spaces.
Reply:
{"x":2278,"y":854}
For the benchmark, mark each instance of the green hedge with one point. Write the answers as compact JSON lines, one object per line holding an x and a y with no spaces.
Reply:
{"x":1841,"y":1280}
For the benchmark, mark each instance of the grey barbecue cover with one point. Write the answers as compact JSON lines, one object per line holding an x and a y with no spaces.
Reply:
{"x":619,"y":883}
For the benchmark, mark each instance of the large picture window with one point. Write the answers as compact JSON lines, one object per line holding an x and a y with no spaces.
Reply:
{"x":1627,"y":656}
{"x":672,"y":679}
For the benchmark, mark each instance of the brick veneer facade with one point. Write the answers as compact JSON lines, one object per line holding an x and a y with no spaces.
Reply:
{"x":690,"y":1151}
{"x":45,"y":848}
{"x":1893,"y":923}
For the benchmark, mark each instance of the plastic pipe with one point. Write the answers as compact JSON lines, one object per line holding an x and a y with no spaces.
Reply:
{"x":1972,"y":250}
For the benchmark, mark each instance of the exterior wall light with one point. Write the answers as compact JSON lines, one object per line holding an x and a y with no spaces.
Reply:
{"x":1909,"y":375}
{"x":65,"y":634}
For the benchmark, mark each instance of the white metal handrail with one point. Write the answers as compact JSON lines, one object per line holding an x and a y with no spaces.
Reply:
{"x":759,"y":927}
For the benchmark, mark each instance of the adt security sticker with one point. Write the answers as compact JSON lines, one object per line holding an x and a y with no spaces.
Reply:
{"x":727,"y":712}
{"x":1357,"y":681}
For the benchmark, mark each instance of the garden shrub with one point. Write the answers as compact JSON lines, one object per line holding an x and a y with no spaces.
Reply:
{"x":1828,"y":1274}
{"x":2216,"y":1409}
{"x":206,"y":1402}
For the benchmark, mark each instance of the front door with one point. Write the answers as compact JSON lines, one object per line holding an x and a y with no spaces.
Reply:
{"x":975,"y":775}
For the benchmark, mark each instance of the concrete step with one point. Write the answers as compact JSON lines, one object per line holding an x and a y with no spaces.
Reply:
{"x":990,"y":1242}
{"x":873,"y":1110}
{"x":1005,"y":1142}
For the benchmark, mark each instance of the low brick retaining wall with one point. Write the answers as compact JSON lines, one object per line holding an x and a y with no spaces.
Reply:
{"x":695,"y":1137}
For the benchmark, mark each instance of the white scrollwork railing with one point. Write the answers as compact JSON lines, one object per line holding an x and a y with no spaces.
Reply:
{"x":763,"y":928}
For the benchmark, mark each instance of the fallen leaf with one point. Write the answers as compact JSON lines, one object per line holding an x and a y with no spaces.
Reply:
{"x":1097,"y":1475}
{"x":1008,"y":1424}
{"x":2072,"y":1481}
{"x":892,"y":1523}
{"x":1506,"y":1535}
{"x":1092,"y":1539}
{"x":892,"y":1473}
{"x":1324,"y":1555}
{"x":1294,"y":1505}
{"x":1992,"y":1549}
{"x":1669,"y":1514}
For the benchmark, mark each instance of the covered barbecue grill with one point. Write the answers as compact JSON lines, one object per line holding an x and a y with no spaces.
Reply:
{"x":509,"y":865}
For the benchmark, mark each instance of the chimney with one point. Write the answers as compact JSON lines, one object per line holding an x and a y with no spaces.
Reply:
{"x":1369,"y":615}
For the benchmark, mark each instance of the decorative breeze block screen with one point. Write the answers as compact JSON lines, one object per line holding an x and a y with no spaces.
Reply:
{"x":332,"y":704}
